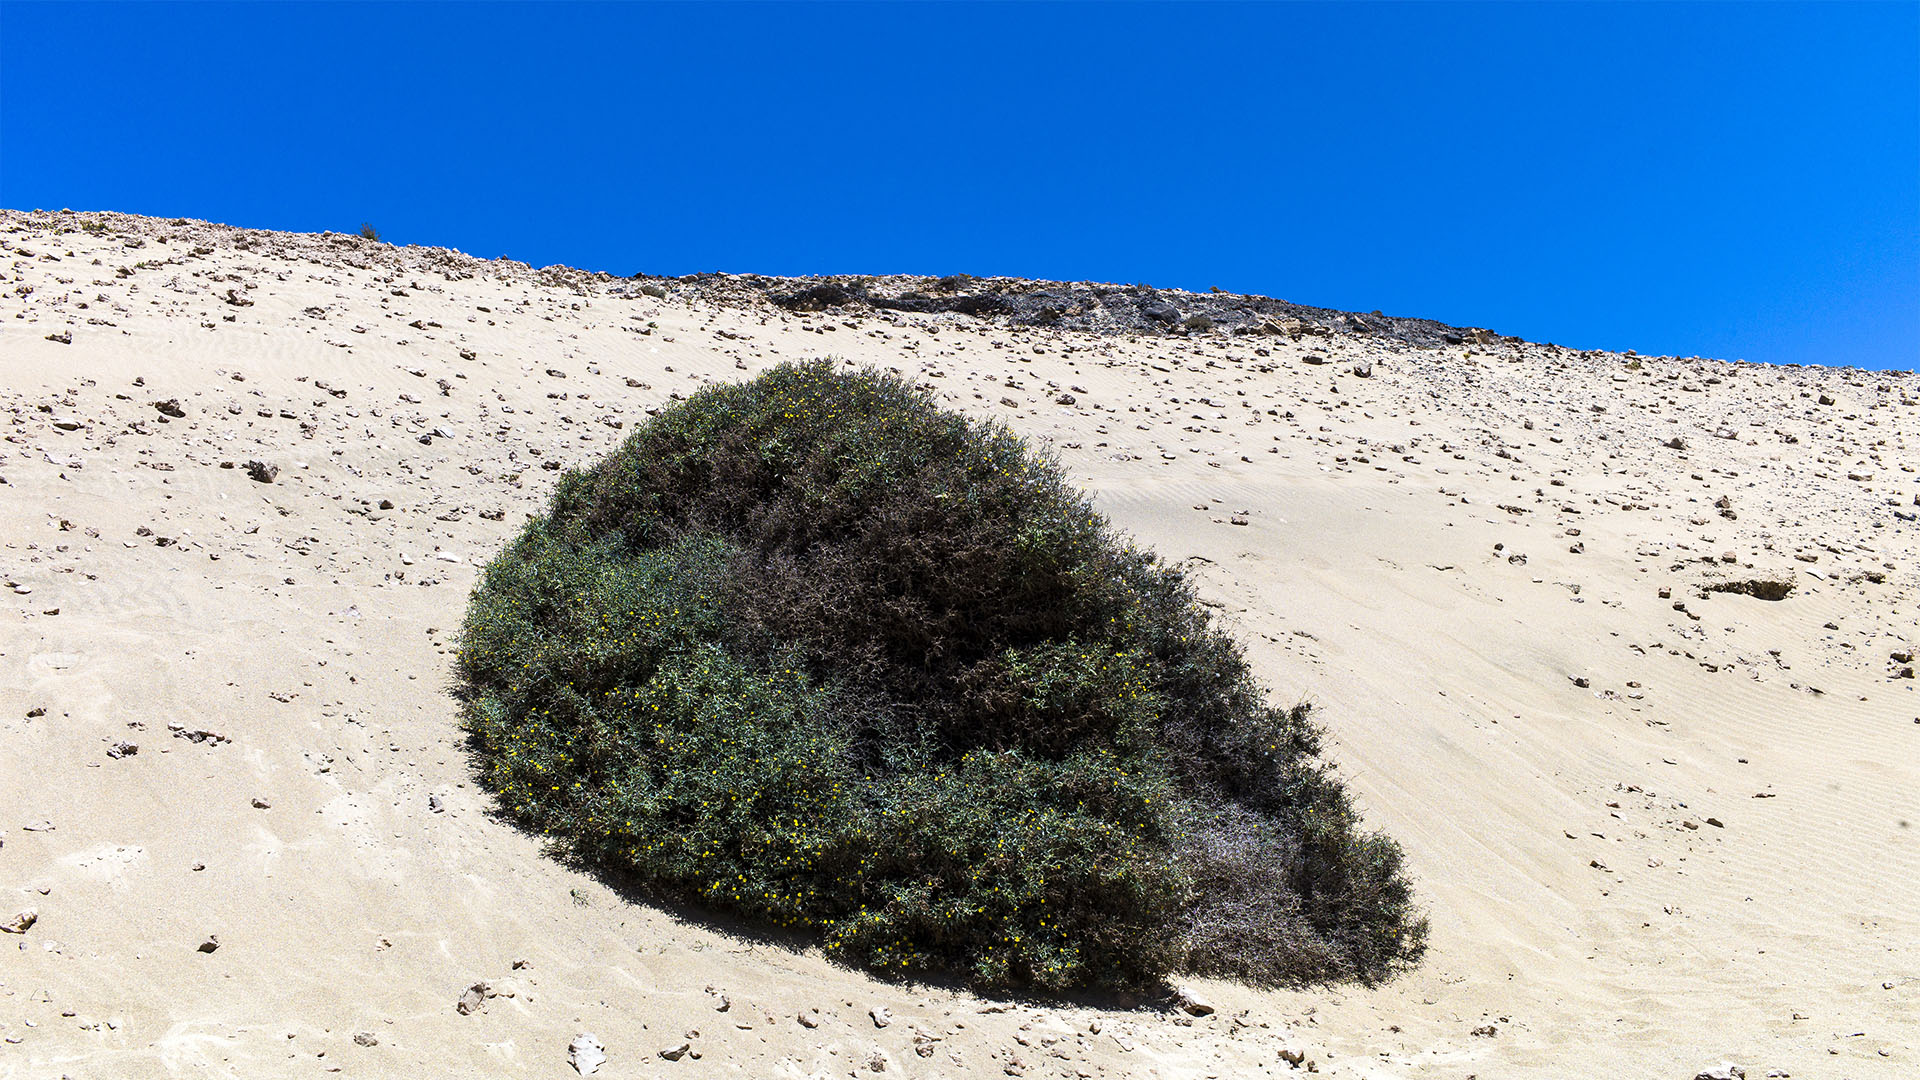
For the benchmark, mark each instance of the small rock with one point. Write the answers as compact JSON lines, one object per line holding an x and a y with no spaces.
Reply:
{"x":676,"y":1052}
{"x":1363,"y":370}
{"x":170,"y":407}
{"x":212,"y":943}
{"x":473,"y":999}
{"x":809,"y":1019}
{"x":123,"y":749}
{"x":881,"y":1017}
{"x":65,"y":337}
{"x":196,"y":735}
{"x":585,"y":1054}
{"x":262,"y":472}
{"x":1485,"y":1031}
{"x":1293,"y":1056}
{"x":20,"y":922}
{"x":1066,"y":399}
{"x":434,"y":804}
{"x":365,"y":1038}
{"x":1726,"y":1070}
{"x":1580,"y":681}
{"x":262,"y":804}
{"x":1191,"y":1003}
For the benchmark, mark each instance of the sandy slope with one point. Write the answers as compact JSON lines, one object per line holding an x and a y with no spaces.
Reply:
{"x":1653,"y":832}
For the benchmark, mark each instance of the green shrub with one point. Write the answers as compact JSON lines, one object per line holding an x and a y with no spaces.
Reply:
{"x":368,"y":232}
{"x":812,"y":650}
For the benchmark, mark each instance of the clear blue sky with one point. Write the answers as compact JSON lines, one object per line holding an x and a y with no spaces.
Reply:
{"x":1730,"y":180}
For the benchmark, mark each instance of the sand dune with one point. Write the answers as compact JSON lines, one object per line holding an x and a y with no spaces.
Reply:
{"x":1659,"y":822}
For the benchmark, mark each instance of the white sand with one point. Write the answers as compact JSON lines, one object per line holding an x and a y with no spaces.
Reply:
{"x":1586,"y":912}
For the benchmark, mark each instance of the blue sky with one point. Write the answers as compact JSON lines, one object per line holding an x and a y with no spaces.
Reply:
{"x":1730,"y":180}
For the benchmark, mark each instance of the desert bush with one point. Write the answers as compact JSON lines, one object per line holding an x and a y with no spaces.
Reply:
{"x":812,"y":650}
{"x":368,"y":232}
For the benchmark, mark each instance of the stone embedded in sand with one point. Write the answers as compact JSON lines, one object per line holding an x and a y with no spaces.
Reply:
{"x":170,"y":407}
{"x":196,"y":735}
{"x":1758,"y":588}
{"x":262,"y":472}
{"x":1726,"y":1070}
{"x":881,"y":1017}
{"x":809,"y":1019}
{"x":585,"y":1054}
{"x":473,"y":999}
{"x":365,"y":1038}
{"x":123,"y":749}
{"x":20,"y":922}
{"x":1191,"y":1003}
{"x":677,"y":1051}
{"x":210,"y":944}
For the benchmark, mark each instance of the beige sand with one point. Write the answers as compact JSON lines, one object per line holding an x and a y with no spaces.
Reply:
{"x":1654,"y":833}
